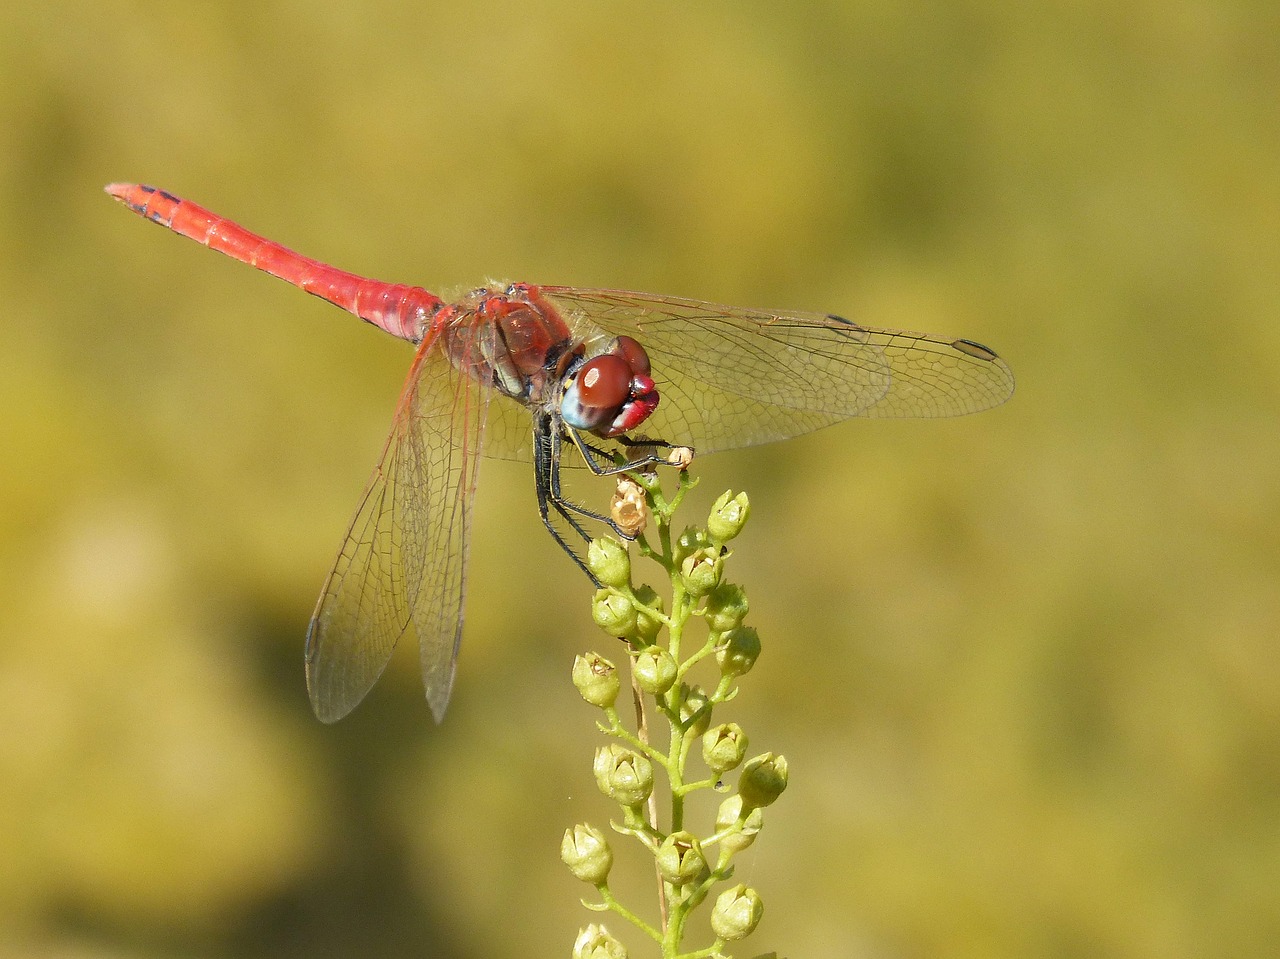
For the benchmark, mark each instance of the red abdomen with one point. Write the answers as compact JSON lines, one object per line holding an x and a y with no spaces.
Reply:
{"x":401,"y":310}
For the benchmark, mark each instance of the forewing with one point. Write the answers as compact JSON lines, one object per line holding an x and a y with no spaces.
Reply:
{"x":400,"y":573}
{"x":730,"y":377}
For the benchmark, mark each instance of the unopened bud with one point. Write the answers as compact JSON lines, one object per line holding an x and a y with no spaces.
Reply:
{"x":695,"y":709}
{"x":738,"y":651}
{"x":613,"y":613}
{"x":723,"y":747}
{"x":609,"y":562}
{"x":743,"y":829}
{"x":623,"y":776}
{"x":728,"y":516}
{"x":680,"y":859}
{"x":594,"y":942}
{"x":647,"y":625}
{"x":596,"y":680}
{"x":763,"y":780}
{"x":700,"y":571}
{"x":586,"y":852}
{"x":690,"y":541}
{"x":736,"y":913}
{"x":654,"y":670}
{"x":726,"y":607}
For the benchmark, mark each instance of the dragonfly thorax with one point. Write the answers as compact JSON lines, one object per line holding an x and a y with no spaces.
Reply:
{"x":516,"y":341}
{"x":517,"y":344}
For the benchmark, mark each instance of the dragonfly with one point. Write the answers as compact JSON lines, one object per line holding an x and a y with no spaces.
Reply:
{"x":590,"y":368}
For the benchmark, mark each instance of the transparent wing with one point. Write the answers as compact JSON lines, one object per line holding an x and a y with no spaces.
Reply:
{"x":401,"y":570}
{"x":508,"y":432}
{"x":731,"y":377}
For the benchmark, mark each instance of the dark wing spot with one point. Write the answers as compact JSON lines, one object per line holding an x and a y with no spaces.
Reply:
{"x":976,"y":350}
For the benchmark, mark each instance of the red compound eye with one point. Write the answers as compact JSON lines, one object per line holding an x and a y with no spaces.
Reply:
{"x":604,"y":381}
{"x":633,"y":353}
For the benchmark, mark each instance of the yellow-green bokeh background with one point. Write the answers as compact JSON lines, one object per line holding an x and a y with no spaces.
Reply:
{"x":1024,"y":665}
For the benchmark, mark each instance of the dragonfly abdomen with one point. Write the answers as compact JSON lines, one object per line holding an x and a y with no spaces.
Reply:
{"x":397,"y":308}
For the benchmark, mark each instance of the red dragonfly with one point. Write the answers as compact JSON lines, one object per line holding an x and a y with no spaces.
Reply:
{"x":589,"y":366}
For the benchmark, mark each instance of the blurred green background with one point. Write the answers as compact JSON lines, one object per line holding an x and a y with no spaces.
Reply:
{"x":1023,"y":664}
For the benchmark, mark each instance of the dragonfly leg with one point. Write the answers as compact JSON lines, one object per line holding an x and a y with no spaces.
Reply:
{"x":546,"y":456}
{"x":547,"y":445}
{"x":596,"y":456}
{"x":632,"y":441}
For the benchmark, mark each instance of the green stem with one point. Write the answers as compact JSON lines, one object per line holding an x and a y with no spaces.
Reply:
{"x":614,"y":906}
{"x":675,"y":770}
{"x":700,"y":784}
{"x":619,"y":731}
{"x":696,"y":658}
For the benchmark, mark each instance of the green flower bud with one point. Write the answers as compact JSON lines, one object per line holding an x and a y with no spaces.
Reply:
{"x":745,"y":828}
{"x":609,"y":561}
{"x":613,"y":613}
{"x":654,"y":669}
{"x":623,"y":776}
{"x":695,"y":708}
{"x":594,"y":942}
{"x":586,"y":852}
{"x":723,"y":747}
{"x":726,"y":608}
{"x":763,"y":780}
{"x":736,"y":913}
{"x":690,"y":541}
{"x":738,"y":651}
{"x":700,"y":572}
{"x":647,"y":626}
{"x":680,"y":859}
{"x":728,"y":516}
{"x":596,"y":679}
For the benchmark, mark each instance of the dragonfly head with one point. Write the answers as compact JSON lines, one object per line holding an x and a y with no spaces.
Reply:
{"x":611,"y":393}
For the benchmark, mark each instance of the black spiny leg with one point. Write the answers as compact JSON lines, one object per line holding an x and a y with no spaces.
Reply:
{"x":546,"y":474}
{"x":590,"y":452}
{"x":547,"y":446}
